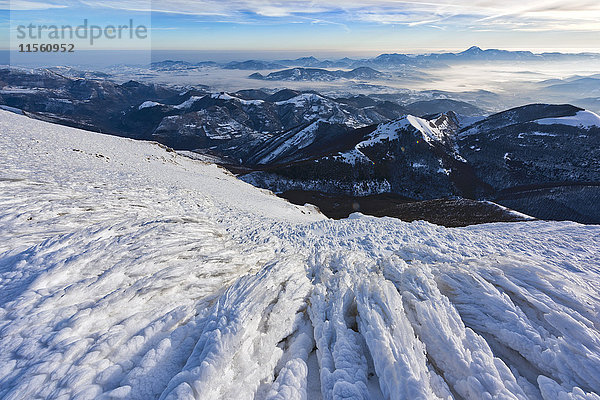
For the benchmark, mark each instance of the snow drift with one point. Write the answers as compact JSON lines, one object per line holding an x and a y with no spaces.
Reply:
{"x":128,"y":271}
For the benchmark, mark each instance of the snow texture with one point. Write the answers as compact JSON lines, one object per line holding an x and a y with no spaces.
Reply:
{"x":128,"y":271}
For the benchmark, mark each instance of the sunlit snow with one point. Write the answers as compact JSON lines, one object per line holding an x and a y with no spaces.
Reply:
{"x":585,"y":119}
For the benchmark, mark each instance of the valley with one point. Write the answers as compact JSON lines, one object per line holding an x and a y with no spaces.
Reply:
{"x":366,"y":146}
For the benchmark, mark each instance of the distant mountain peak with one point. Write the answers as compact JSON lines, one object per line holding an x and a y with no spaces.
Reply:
{"x":472,"y":50}
{"x":310,"y":58}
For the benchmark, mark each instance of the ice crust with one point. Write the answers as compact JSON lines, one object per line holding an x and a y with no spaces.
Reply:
{"x":128,"y":271}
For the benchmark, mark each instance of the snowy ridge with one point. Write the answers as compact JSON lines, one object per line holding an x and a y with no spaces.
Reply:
{"x":193,"y":99}
{"x":584,"y":119}
{"x":385,"y":132}
{"x":304,"y":98}
{"x":138,"y":273}
{"x":430,"y":132}
{"x":226,"y":96}
{"x":508,"y":210}
{"x":148,"y":104}
{"x":188,"y":103}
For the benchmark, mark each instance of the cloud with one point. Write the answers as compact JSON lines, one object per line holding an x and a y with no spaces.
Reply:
{"x":537,"y":15}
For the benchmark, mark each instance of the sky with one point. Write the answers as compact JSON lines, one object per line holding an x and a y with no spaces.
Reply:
{"x":330,"y":26}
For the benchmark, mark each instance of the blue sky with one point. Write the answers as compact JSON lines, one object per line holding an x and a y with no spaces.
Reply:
{"x":345,"y":27}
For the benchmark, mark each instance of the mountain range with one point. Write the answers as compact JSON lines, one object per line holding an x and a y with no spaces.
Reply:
{"x":387,"y":61}
{"x":539,"y":159}
{"x":317,"y":74}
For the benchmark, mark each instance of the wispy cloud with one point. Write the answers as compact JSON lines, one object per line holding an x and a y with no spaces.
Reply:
{"x":534,"y":15}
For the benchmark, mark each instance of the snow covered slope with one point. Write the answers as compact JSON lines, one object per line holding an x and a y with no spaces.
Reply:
{"x":584,"y":119}
{"x":128,"y":271}
{"x":438,"y":130}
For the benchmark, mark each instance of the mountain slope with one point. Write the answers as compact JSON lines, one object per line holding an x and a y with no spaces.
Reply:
{"x":409,"y":156}
{"x":538,"y":159}
{"x":241,"y":129}
{"x":127,"y":271}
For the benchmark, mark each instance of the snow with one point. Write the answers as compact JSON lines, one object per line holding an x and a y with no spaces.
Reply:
{"x":385,"y":132}
{"x":511,"y":212}
{"x":585,"y":119}
{"x":188,"y":103}
{"x":129,"y":271}
{"x":148,"y":104}
{"x":523,"y":135}
{"x":298,"y":141}
{"x":19,"y":90}
{"x":353,"y":157}
{"x":226,"y":96}
{"x":302,"y":99}
{"x":430,"y":133}
{"x":389,"y":131}
{"x":209,"y":158}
